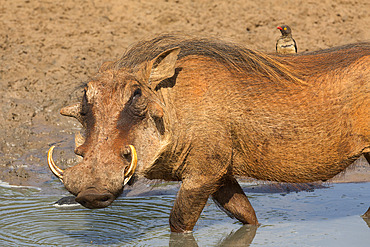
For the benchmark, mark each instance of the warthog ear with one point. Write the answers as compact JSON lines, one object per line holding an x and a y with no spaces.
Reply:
{"x":163,"y":66}
{"x":73,"y":111}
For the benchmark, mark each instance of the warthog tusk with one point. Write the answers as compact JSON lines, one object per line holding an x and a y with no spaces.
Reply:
{"x":131,"y":169}
{"x":54,"y":168}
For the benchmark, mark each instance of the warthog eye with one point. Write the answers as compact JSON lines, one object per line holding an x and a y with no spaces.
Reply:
{"x":138,"y":104}
{"x":137,"y":93}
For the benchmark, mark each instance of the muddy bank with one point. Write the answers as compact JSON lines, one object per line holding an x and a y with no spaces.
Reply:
{"x":48,"y":49}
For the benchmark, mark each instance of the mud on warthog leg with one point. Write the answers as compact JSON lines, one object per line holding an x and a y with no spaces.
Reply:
{"x":231,"y":198}
{"x":189,"y":203}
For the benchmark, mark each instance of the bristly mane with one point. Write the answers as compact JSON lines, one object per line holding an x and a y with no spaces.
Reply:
{"x":283,"y":69}
{"x":234,"y":56}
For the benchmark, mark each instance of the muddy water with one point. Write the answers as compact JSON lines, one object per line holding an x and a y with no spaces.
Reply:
{"x":324,"y":217}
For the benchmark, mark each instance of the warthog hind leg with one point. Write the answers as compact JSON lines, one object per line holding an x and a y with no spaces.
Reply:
{"x":231,"y":198}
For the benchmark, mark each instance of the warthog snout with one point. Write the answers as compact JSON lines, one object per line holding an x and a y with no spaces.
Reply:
{"x":97,"y":186}
{"x":92,"y":198}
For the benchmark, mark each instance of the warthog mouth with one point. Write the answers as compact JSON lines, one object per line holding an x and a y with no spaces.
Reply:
{"x":127,"y":175}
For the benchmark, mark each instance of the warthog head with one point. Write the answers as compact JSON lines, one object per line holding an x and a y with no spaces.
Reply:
{"x":124,"y":119}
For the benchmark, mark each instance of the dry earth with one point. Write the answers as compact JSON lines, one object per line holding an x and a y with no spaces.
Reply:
{"x":48,"y":48}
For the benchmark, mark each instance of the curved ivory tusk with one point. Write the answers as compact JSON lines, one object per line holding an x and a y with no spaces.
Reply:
{"x":54,"y":168}
{"x":131,"y":169}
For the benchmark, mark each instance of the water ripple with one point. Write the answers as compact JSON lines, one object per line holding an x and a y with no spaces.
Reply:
{"x":28,"y":219}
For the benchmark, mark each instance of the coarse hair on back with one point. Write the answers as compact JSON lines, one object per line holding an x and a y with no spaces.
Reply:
{"x":234,"y":56}
{"x":283,"y":69}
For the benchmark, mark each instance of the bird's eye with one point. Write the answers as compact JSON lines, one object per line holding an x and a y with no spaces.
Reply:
{"x":285,"y":28}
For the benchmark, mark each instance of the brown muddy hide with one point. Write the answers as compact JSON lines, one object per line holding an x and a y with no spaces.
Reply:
{"x":119,"y":110}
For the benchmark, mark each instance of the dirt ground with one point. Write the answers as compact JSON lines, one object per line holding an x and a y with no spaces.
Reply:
{"x":48,"y":48}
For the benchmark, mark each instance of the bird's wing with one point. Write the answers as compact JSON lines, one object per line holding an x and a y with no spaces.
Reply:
{"x":295,"y":45}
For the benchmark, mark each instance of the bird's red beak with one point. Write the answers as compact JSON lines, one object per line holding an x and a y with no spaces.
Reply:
{"x":279,"y":28}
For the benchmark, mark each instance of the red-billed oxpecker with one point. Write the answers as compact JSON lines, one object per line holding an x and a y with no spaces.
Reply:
{"x":286,"y":44}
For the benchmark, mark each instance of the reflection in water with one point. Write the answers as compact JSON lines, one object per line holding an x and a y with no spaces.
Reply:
{"x":27,"y":218}
{"x":242,"y":237}
{"x":180,"y":240}
{"x":367,"y":220}
{"x":367,"y":214}
{"x":366,"y":217}
{"x":127,"y":220}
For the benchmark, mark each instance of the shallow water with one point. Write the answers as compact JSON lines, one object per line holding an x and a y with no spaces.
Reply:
{"x":324,"y":217}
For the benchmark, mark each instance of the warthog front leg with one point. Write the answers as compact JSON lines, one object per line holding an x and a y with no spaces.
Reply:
{"x":232,"y":199}
{"x":189,"y":203}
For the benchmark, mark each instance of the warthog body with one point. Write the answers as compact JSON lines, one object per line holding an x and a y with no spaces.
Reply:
{"x":204,"y":112}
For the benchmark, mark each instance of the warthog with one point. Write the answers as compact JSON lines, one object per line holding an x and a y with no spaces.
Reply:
{"x":204,"y":112}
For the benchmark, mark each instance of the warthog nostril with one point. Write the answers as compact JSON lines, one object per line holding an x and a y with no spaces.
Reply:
{"x":104,"y":198}
{"x":91,"y":198}
{"x":82,"y":202}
